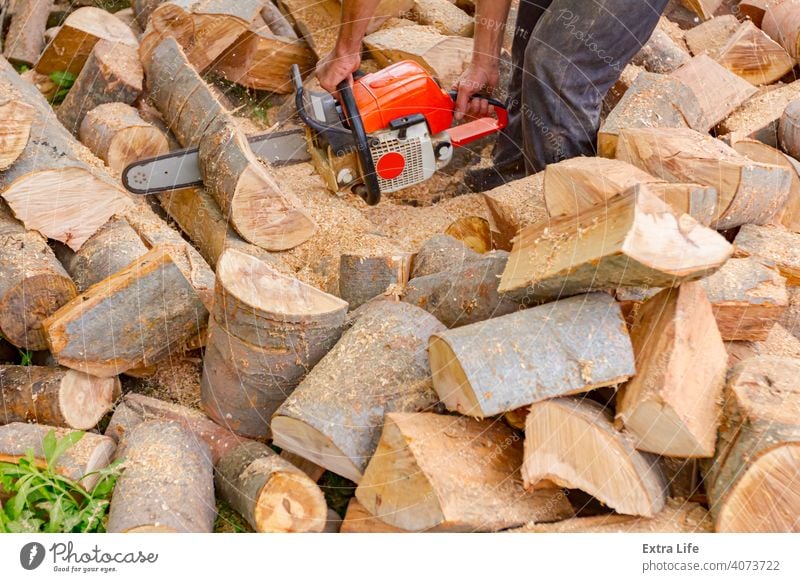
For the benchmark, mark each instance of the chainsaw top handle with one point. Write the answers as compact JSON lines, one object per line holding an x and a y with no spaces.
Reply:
{"x":461,"y":135}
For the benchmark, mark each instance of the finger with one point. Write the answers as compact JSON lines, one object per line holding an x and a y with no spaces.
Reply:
{"x":484,"y":107}
{"x":462,"y":102}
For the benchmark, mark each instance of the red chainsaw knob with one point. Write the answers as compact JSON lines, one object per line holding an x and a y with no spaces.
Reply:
{"x":390,"y":165}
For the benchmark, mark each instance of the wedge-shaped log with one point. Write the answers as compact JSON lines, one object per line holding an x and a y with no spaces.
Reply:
{"x":33,"y":284}
{"x":773,"y":243}
{"x":758,"y":117}
{"x":710,"y":36}
{"x":452,"y":473}
{"x":779,"y":342}
{"x":268,"y":331}
{"x":748,"y":192}
{"x":80,"y":462}
{"x":317,"y":21}
{"x":514,"y":206}
{"x":129,"y":320}
{"x":636,"y":240}
{"x":754,"y":56}
{"x":53,"y":161}
{"x":77,"y":36}
{"x":751,"y":483}
{"x":25,"y":39}
{"x":167,"y":484}
{"x":661,"y":54}
{"x":502,"y":364}
{"x":747,"y":298}
{"x":444,"y":16}
{"x":380,"y":365}
{"x":671,"y":405}
{"x":55,"y":396}
{"x":573,"y":444}
{"x":782,"y":23}
{"x":705,"y":9}
{"x":574,"y":185}
{"x":789,"y":129}
{"x":755,"y":9}
{"x":17,"y":118}
{"x":263,"y":212}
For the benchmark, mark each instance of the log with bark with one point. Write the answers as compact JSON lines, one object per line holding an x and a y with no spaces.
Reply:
{"x":652,"y":101}
{"x":362,"y":277}
{"x":25,"y":38}
{"x":440,"y":253}
{"x":432,"y":470}
{"x":275,"y":19}
{"x":263,"y":212}
{"x":380,"y":365}
{"x":782,"y":23}
{"x":748,"y":192}
{"x":775,"y":244}
{"x":129,"y":320}
{"x":79,"y":463}
{"x":54,"y":162}
{"x":747,"y":298}
{"x":112,"y":73}
{"x":116,"y":133}
{"x":755,"y":9}
{"x":55,"y":396}
{"x":514,"y":206}
{"x":358,"y":520}
{"x":573,"y":444}
{"x":789,"y":129}
{"x":705,"y":9}
{"x":661,"y":54}
{"x":503,"y":364}
{"x":671,"y":406}
{"x":76,"y":37}
{"x":754,"y":56}
{"x":17,"y":116}
{"x":779,"y":342}
{"x":758,"y":117}
{"x":752,"y":481}
{"x":577,"y":184}
{"x":205,"y":29}
{"x":444,"y":16}
{"x":167,"y":482}
{"x":635,"y":240}
{"x":267,"y":331}
{"x":33,"y":284}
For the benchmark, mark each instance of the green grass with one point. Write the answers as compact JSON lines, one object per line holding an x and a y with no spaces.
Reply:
{"x":338,"y":491}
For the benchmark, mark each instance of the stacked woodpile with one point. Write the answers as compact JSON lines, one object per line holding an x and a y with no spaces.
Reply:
{"x":610,"y":345}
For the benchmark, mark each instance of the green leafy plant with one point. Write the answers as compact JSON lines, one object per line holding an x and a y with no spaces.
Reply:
{"x":64,"y":81}
{"x":41,"y":500}
{"x":25,"y":357}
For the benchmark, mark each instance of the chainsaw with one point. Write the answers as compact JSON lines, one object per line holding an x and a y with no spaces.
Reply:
{"x":390,"y":130}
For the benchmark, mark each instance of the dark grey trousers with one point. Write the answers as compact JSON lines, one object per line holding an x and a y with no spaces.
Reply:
{"x":566,"y":55}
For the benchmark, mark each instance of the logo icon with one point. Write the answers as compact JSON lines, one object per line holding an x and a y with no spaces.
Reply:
{"x":31,"y":555}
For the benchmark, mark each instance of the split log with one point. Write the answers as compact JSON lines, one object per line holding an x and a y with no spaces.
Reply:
{"x":142,"y":9}
{"x":55,"y":396}
{"x":757,"y":151}
{"x":205,"y":29}
{"x":78,"y":463}
{"x":755,"y":9}
{"x":112,"y":73}
{"x":652,"y":101}
{"x":748,"y":192}
{"x":127,"y":16}
{"x":661,"y":54}
{"x":758,"y":117}
{"x":464,"y":294}
{"x":77,"y":36}
{"x":775,"y":244}
{"x":147,"y":309}
{"x":635,"y":240}
{"x":17,"y":116}
{"x":268,"y":331}
{"x":317,"y":20}
{"x":779,"y":342}
{"x":718,"y":90}
{"x":271,"y":493}
{"x":752,"y":482}
{"x":314,"y":471}
{"x":503,"y":364}
{"x":444,"y":16}
{"x":577,"y":184}
{"x":747,"y":298}
{"x":276,"y":21}
{"x":710,"y":36}
{"x":789,"y":129}
{"x":514,"y":206}
{"x":33,"y":284}
{"x":334,"y":417}
{"x":167,"y":484}
{"x":791,"y":317}
{"x":116,"y":134}
{"x":631,"y":299}
{"x":440,"y":253}
{"x":363,"y":277}
{"x":705,"y":9}
{"x":359,"y":520}
{"x":573,"y":444}
{"x":259,"y":209}
{"x":782,"y":23}
{"x":53,"y":161}
{"x":474,"y":231}
{"x":25,"y":39}
{"x":754,"y":56}
{"x":420,"y":479}
{"x":671,"y":406}
{"x":444,"y":57}
{"x":678,"y":516}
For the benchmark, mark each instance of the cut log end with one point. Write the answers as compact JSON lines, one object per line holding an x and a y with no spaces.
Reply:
{"x":17,"y":118}
{"x":290,"y":502}
{"x":84,"y":399}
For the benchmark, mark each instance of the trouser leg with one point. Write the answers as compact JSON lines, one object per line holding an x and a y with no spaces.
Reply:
{"x":577,"y":51}
{"x":508,"y":147}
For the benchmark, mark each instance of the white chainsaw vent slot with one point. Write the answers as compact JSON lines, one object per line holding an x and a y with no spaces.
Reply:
{"x":413,"y":172}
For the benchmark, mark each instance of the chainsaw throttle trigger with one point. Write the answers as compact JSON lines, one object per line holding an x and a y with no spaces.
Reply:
{"x":372,"y":193}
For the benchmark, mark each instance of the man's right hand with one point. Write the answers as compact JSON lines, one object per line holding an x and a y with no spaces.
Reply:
{"x":334,"y":68}
{"x":477,"y":78}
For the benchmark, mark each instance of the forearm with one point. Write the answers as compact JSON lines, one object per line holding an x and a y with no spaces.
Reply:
{"x":356,"y":15}
{"x":490,"y":24}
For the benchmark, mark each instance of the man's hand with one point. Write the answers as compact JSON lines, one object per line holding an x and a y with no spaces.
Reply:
{"x":334,"y":68}
{"x":478,"y":78}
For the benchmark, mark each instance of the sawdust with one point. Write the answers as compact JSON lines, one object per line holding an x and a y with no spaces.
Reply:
{"x":176,"y":381}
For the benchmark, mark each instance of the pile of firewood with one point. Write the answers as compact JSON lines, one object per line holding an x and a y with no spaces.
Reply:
{"x":610,"y":345}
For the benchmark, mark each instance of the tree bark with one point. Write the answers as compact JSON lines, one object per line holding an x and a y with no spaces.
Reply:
{"x":363,"y":277}
{"x":758,"y":117}
{"x":276,"y":21}
{"x":789,"y":129}
{"x":25,"y":39}
{"x":661,"y":54}
{"x":440,"y":253}
{"x":782,"y":23}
